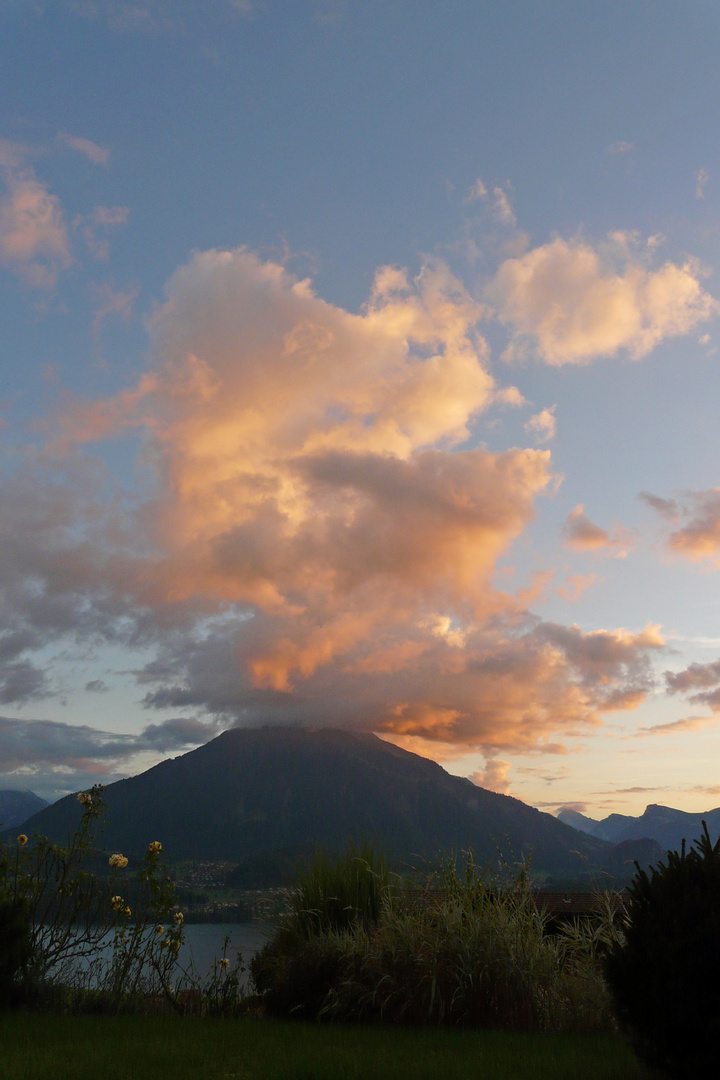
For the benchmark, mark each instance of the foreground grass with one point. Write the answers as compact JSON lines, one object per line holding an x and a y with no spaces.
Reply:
{"x":43,"y":1047}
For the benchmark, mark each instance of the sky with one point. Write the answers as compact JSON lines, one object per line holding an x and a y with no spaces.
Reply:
{"x":358,"y":368}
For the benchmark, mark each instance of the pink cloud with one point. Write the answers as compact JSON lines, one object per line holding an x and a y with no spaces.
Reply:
{"x":572,"y":307}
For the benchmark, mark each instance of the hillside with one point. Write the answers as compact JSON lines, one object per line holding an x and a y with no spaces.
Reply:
{"x":16,"y":806}
{"x":265,"y":798}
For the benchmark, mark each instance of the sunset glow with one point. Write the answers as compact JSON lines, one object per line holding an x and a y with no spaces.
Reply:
{"x":365,"y":387}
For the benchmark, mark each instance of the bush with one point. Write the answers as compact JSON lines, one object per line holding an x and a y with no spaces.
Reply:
{"x":664,"y":976}
{"x":15,"y":946}
{"x":467,"y":953}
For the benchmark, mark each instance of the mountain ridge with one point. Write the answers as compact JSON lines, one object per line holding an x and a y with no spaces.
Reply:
{"x":264,"y":797}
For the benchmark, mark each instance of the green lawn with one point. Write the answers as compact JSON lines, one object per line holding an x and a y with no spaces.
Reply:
{"x":45,"y":1047}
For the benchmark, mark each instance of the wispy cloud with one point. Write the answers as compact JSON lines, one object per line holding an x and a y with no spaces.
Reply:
{"x":98,"y":155}
{"x":620,"y":148}
{"x":701,"y":178}
{"x":34,"y":240}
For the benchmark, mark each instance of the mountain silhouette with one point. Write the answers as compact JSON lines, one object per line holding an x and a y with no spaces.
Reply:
{"x":265,"y":798}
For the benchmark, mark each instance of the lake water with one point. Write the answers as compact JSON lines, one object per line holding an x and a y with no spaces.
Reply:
{"x":203,"y":945}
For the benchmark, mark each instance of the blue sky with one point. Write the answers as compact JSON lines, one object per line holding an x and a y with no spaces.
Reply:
{"x":358,"y":368}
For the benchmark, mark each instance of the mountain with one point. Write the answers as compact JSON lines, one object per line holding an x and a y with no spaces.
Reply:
{"x":662,"y":824}
{"x":16,"y":806}
{"x":265,"y":798}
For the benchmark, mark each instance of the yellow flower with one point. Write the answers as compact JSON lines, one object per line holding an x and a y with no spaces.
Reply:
{"x":225,"y":963}
{"x":84,"y":798}
{"x":178,"y":917}
{"x":117,"y":902}
{"x":159,"y":930}
{"x":22,"y":839}
{"x":175,"y":945}
{"x":127,"y":913}
{"x":118,"y":861}
{"x":155,"y":846}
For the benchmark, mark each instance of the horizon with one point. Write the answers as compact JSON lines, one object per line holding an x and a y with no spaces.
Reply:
{"x":359,"y":371}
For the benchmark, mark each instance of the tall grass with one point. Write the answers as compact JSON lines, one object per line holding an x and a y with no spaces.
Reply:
{"x":338,"y":893}
{"x":466,"y":952}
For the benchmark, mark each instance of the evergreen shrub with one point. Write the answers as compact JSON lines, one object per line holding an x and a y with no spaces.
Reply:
{"x":664,"y":976}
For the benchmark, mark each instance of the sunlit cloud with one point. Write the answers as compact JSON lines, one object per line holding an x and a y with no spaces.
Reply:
{"x":318,"y":539}
{"x":494,"y":777}
{"x":570,"y":306}
{"x":543,"y":425}
{"x":581,"y":534}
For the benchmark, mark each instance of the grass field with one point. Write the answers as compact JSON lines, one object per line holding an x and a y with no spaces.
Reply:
{"x":51,"y":1047}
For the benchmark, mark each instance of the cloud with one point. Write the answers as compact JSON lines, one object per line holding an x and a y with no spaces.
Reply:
{"x":98,"y":155}
{"x":701,"y":178}
{"x":317,"y":540}
{"x":110,"y":301}
{"x":699,"y":538}
{"x":33,"y":233}
{"x":502,"y":207}
{"x":55,"y":758}
{"x":93,"y":228}
{"x":576,"y":586}
{"x":152,"y":16}
{"x":572,"y":307}
{"x":668,"y":508}
{"x":494,"y":777}
{"x":97,"y":686}
{"x":620,"y":148}
{"x":582,"y":534}
{"x":543,"y":425}
{"x":688,"y":723}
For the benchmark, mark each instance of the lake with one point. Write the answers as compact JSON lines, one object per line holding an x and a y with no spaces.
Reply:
{"x":203,"y":945}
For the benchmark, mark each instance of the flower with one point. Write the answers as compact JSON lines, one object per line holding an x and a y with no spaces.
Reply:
{"x":175,"y":945}
{"x":155,"y":846}
{"x":117,"y":902}
{"x":85,"y":798}
{"x":127,"y":913}
{"x":118,"y":861}
{"x":160,"y":930}
{"x":178,"y":917}
{"x":225,"y":963}
{"x":22,"y":839}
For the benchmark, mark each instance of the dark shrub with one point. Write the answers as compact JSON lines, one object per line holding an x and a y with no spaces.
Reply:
{"x":15,"y":947}
{"x":664,"y":977}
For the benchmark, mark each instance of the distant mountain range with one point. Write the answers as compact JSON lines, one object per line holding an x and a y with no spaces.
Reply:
{"x":265,"y":798}
{"x":667,"y":827}
{"x":16,"y":806}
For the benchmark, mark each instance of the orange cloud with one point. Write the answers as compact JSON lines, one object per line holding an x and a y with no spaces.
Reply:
{"x":573,"y":307}
{"x":494,"y":777}
{"x":320,"y":543}
{"x":582,"y":534}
